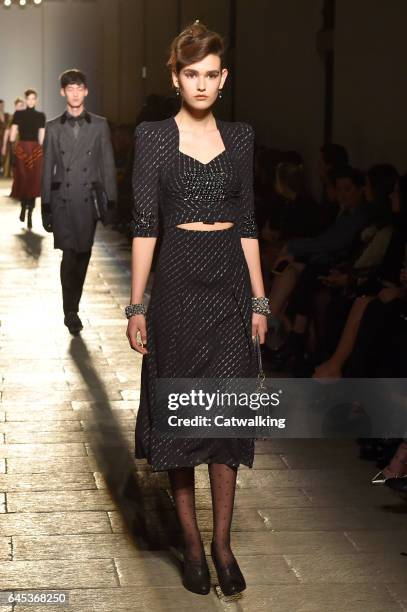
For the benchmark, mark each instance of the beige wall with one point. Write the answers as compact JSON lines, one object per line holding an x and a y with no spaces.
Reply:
{"x":280,"y":75}
{"x":14,"y":78}
{"x":38,"y":42}
{"x":370,"y":81}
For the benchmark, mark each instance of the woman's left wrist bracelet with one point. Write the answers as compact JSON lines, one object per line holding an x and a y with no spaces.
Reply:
{"x":260,"y":305}
{"x":134,"y":309}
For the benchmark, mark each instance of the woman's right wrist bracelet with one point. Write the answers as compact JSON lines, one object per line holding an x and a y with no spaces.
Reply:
{"x":134,"y":309}
{"x":261,"y":305}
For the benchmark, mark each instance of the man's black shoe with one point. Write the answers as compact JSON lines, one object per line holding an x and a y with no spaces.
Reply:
{"x":397,"y":484}
{"x":22,"y":213}
{"x":73,"y":322}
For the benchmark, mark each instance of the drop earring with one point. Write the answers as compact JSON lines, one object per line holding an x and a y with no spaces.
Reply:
{"x":220,"y":94}
{"x":177,"y":91}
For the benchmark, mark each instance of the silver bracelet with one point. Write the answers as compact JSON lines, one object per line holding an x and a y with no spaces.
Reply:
{"x":260,"y":305}
{"x":134,"y":309}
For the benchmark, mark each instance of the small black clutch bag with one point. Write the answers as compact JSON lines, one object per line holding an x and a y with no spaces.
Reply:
{"x":261,"y":385}
{"x":101,"y":204}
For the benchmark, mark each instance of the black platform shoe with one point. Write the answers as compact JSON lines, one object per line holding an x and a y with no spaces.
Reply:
{"x":231,"y":579}
{"x":73,"y":323}
{"x":196,"y":577}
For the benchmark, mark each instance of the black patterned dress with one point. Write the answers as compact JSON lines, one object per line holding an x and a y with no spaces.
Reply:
{"x":199,"y":315}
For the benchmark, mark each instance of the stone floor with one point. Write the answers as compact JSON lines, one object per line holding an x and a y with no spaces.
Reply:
{"x":77,"y":513}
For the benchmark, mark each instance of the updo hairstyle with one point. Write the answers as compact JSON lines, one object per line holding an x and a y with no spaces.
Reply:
{"x":192,"y":45}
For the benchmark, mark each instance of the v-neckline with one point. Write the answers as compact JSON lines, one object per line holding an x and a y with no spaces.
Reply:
{"x":194,"y":158}
{"x":198,"y":161}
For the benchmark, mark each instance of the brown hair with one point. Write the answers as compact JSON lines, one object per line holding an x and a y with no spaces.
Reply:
{"x":30,"y":92}
{"x":192,"y":45}
{"x":18,"y":101}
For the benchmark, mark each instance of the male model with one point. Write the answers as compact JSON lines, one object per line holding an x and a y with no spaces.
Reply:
{"x":77,"y":155}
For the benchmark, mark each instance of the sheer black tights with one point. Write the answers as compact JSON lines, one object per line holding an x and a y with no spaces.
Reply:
{"x":223,"y":485}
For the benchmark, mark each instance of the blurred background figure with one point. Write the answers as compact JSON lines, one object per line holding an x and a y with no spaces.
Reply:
{"x":19,"y":105}
{"x":29,"y":125}
{"x":4,"y":119}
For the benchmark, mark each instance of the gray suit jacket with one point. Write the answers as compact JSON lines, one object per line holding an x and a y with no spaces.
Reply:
{"x":70,"y":167}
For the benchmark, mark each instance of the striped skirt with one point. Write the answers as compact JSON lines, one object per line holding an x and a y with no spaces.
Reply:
{"x":27,"y":170}
{"x":198,"y":326}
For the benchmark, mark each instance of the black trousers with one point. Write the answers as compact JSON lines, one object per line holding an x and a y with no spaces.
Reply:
{"x":28,"y":203}
{"x":74,"y":266}
{"x":302,"y":299}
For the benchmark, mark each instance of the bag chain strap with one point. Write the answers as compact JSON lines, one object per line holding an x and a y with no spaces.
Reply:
{"x":261,"y":375}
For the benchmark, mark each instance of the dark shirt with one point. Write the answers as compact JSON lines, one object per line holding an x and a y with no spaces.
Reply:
{"x":337,"y":240}
{"x":396,"y":251}
{"x":298,"y":218}
{"x":179,"y":189}
{"x":79,"y":120}
{"x":29,"y":121}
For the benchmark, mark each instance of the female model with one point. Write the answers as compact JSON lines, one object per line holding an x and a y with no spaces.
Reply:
{"x":19,"y":104}
{"x":196,"y":173}
{"x":29,"y":125}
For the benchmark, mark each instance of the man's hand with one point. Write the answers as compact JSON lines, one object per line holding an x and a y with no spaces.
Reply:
{"x":388,"y":294}
{"x":46,"y":217}
{"x":335,"y":278}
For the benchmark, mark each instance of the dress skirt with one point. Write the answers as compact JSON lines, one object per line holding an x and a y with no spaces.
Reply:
{"x":27,"y":170}
{"x":198,"y":325}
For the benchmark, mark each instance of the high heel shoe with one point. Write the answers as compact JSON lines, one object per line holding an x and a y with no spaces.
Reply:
{"x":379,"y":479}
{"x":196,"y":577}
{"x":231,"y":579}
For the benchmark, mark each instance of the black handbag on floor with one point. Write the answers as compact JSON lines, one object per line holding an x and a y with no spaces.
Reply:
{"x":102,"y":207}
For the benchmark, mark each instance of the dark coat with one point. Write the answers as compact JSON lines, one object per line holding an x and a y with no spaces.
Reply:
{"x":70,"y":167}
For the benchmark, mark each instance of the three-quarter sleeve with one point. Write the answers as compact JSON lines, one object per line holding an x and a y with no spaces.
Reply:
{"x":146,"y":182}
{"x":247,"y":221}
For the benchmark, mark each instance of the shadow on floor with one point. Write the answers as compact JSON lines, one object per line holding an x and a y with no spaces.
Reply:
{"x":139,"y":494}
{"x":31,"y":243}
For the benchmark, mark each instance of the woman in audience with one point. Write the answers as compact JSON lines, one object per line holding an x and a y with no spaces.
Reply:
{"x":376,"y":270}
{"x":299,"y":213}
{"x":307,"y":258}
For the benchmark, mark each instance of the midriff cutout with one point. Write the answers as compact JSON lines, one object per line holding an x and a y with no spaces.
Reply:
{"x":206,"y":227}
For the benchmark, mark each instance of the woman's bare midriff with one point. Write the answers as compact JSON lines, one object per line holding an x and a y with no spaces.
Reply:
{"x":205,"y":227}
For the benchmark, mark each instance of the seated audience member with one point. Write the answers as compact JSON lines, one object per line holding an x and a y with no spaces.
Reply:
{"x":264,"y":196}
{"x":299,"y":213}
{"x":269,"y":203}
{"x":376,"y":270}
{"x":333,"y":157}
{"x":331,"y":246}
